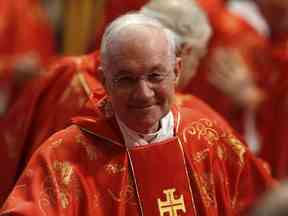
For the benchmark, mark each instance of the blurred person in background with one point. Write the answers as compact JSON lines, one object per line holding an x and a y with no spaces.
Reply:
{"x":45,"y":106}
{"x":26,"y":46}
{"x":273,"y":115}
{"x":274,"y":203}
{"x":224,"y":78}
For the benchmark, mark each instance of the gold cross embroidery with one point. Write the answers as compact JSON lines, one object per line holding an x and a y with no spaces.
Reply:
{"x":171,"y":205}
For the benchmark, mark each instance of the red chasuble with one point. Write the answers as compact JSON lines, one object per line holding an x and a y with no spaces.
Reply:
{"x":86,"y":169}
{"x":46,"y":106}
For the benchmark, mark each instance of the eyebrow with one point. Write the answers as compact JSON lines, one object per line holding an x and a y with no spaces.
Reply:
{"x":127,"y":71}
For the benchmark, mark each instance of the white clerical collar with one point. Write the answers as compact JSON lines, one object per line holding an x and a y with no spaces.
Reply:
{"x":133,"y":138}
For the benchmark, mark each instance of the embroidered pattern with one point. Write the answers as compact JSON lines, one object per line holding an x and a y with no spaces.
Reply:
{"x":237,"y":147}
{"x":114,"y":168}
{"x":55,"y":144}
{"x":222,"y":155}
{"x":64,"y":171}
{"x":90,"y":149}
{"x":203,"y":129}
{"x":206,"y":185}
{"x":48,"y":195}
{"x":202,"y":155}
{"x":126,"y":194}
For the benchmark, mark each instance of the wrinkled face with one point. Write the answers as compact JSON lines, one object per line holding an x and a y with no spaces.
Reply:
{"x":140,"y":79}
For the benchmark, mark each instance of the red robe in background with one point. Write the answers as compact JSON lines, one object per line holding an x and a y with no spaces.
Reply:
{"x":232,"y":32}
{"x":86,"y":170}
{"x":273,"y":115}
{"x":46,"y":106}
{"x":24,"y":30}
{"x":268,"y":59}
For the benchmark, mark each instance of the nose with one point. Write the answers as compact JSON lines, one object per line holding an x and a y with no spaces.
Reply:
{"x":143,"y":90}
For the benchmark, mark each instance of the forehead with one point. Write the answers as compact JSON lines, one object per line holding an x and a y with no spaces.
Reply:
{"x":140,"y":47}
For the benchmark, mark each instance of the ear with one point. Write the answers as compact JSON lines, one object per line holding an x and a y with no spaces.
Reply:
{"x":178,"y":68}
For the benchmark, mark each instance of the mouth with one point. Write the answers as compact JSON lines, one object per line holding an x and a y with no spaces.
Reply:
{"x":145,"y":107}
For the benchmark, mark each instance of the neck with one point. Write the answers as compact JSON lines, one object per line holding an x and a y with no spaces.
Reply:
{"x":149,"y":130}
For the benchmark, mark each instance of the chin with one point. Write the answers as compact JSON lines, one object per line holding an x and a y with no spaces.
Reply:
{"x":142,"y":125}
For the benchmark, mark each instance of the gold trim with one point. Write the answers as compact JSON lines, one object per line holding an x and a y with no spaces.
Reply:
{"x":187,"y":174}
{"x":135,"y":182}
{"x":178,"y":120}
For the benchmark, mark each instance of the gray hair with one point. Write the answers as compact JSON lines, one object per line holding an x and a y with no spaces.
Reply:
{"x":136,"y":20}
{"x":184,"y":18}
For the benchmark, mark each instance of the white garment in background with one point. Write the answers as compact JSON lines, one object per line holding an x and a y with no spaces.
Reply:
{"x":251,"y":135}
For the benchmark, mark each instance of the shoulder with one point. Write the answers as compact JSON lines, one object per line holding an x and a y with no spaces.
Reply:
{"x":194,"y":109}
{"x":67,"y":144}
{"x":209,"y":132}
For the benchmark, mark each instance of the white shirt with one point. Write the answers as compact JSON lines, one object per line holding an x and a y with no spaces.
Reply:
{"x":133,"y":138}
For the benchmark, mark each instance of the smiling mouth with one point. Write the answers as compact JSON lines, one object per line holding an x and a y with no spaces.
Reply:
{"x":142,"y":107}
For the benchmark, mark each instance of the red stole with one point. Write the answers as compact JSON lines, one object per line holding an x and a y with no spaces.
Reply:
{"x":161,"y":179}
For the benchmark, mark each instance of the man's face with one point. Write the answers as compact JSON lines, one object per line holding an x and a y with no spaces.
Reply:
{"x":141,"y":79}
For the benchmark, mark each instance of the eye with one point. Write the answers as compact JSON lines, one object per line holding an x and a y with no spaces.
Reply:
{"x":156,"y":77}
{"x":124,"y":81}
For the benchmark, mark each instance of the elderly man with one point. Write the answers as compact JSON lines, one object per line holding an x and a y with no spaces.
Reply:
{"x":137,"y":153}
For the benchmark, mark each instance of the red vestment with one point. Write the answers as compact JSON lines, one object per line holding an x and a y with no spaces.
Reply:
{"x":85,"y":169}
{"x":24,"y":29}
{"x":46,"y":106}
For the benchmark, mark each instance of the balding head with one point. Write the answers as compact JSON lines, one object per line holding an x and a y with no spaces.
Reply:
{"x":129,"y":28}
